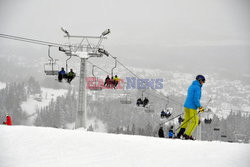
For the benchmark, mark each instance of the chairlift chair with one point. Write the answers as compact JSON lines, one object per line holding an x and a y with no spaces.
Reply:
{"x":208,"y":121}
{"x":125,"y":100}
{"x":216,"y":129}
{"x":95,"y":80}
{"x":140,"y":100}
{"x":51,"y":68}
{"x":166,"y":113}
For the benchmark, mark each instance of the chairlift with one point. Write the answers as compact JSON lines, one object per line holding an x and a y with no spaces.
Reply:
{"x":216,"y":129}
{"x":125,"y":98}
{"x":166,"y":113}
{"x":95,"y":80}
{"x":208,"y":121}
{"x":51,"y":68}
{"x":141,"y":101}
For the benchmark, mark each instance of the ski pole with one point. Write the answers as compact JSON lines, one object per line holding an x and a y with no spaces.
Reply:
{"x":173,"y":118}
{"x":186,"y":121}
{"x":193,"y":116}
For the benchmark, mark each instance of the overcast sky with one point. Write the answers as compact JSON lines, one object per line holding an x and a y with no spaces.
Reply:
{"x":150,"y":33}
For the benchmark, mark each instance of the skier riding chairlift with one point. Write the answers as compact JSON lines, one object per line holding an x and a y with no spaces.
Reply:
{"x":139,"y":102}
{"x":166,"y":114}
{"x":62,"y":75}
{"x":107,"y":82}
{"x":67,"y":76}
{"x":70,"y":76}
{"x":145,"y":102}
{"x":208,"y":121}
{"x":116,"y":81}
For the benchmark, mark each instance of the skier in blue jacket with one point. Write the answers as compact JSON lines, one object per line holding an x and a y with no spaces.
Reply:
{"x":191,"y":105}
{"x":61,"y":75}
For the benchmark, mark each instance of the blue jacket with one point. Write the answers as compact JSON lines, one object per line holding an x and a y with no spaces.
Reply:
{"x":170,"y":133}
{"x":62,"y":72}
{"x":193,"y":96}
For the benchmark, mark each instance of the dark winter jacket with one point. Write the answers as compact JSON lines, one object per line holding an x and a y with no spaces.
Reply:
{"x":193,"y":96}
{"x":161,"y":132}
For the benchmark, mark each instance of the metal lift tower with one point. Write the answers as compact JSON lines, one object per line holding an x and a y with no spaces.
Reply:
{"x":84,"y":52}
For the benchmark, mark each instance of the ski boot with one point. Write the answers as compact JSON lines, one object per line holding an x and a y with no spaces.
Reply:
{"x":180,"y":133}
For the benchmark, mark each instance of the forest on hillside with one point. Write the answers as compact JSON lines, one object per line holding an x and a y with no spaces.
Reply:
{"x":117,"y":117}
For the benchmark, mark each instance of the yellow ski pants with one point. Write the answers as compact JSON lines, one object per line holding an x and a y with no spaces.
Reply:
{"x":191,"y":120}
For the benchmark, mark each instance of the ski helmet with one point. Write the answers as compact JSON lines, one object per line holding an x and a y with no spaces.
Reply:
{"x":200,"y":78}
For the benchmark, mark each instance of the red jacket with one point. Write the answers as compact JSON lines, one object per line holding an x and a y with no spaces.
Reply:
{"x":8,"y":120}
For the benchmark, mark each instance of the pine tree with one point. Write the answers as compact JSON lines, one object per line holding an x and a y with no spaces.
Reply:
{"x":33,"y":87}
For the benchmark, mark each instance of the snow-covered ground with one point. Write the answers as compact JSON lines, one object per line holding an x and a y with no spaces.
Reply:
{"x":2,"y":85}
{"x":48,"y":147}
{"x":37,"y":101}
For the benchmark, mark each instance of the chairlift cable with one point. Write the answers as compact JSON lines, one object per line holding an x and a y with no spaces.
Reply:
{"x":51,"y":44}
{"x":29,"y":40}
{"x":144,"y":82}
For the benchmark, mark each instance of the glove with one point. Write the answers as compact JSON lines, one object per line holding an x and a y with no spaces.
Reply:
{"x":201,"y":109}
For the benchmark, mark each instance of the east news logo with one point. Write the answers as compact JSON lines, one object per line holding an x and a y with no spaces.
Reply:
{"x":129,"y":83}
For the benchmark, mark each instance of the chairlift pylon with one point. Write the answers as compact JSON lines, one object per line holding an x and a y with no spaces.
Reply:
{"x":51,"y":68}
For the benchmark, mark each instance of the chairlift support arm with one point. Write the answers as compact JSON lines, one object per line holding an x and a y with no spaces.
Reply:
{"x":93,"y":66}
{"x":114,"y":67}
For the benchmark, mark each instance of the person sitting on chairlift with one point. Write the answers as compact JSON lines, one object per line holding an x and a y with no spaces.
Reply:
{"x":145,"y":102}
{"x":112,"y":82}
{"x":71,"y":75}
{"x":208,"y":121}
{"x":116,"y":80}
{"x":139,"y":102}
{"x":167,"y":113}
{"x":61,"y":75}
{"x":162,"y":114}
{"x":107,"y":82}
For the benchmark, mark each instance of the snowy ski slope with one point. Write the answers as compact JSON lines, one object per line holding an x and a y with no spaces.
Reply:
{"x":25,"y":146}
